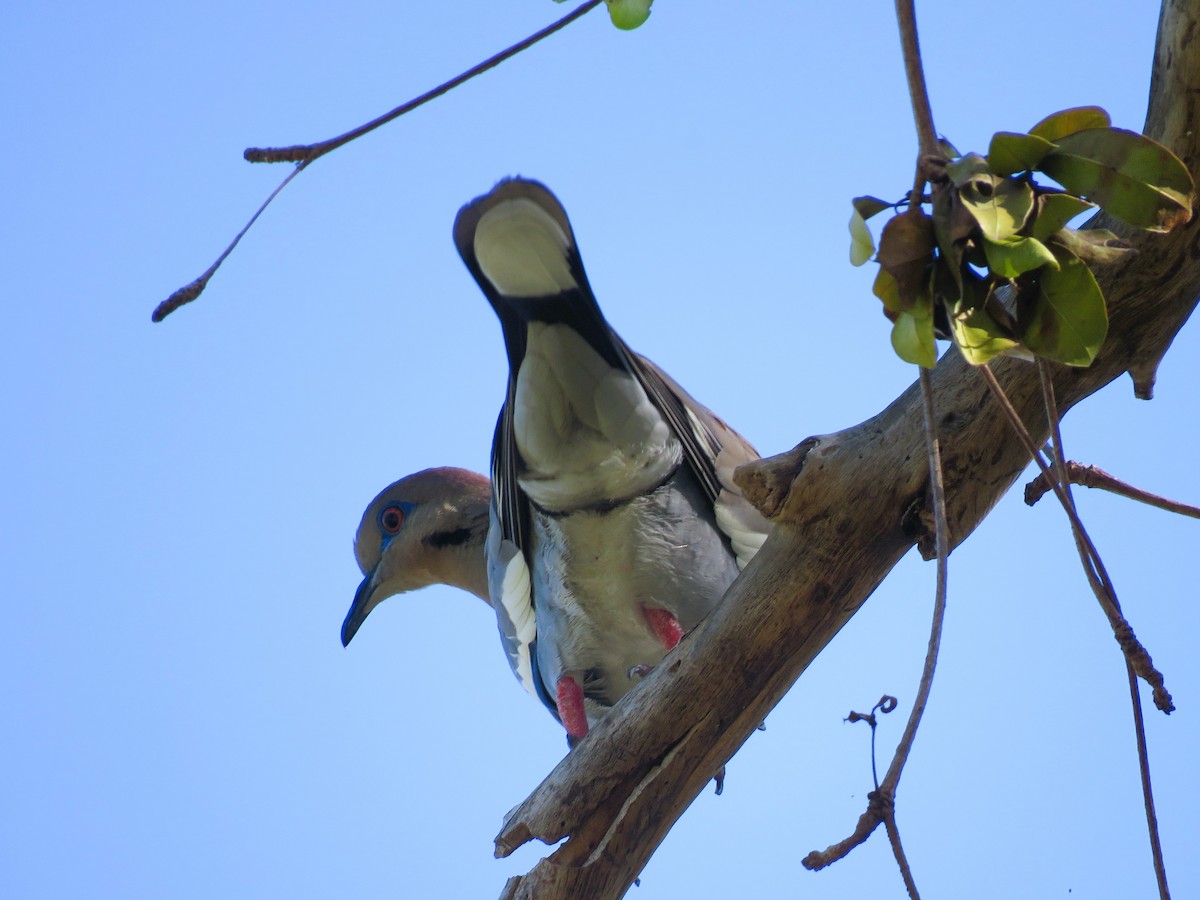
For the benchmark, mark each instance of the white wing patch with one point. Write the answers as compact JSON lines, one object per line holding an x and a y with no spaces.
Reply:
{"x":745,"y":526}
{"x":745,"y":532}
{"x":509,"y":588}
{"x":519,"y":605}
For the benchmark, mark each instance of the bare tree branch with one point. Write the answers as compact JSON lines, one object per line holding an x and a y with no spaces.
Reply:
{"x":839,"y":504}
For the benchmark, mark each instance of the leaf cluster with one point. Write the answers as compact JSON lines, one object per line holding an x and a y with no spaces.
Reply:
{"x":995,"y":267}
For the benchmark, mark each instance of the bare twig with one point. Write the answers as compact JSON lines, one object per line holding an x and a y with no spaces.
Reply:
{"x":886,"y":704}
{"x":906,"y":17}
{"x":191,"y":291}
{"x":1089,"y":559}
{"x":1139,"y":729}
{"x":309,"y":152}
{"x":304,"y":154}
{"x":1097,"y":576}
{"x":1095,"y":477}
{"x":882,"y":801}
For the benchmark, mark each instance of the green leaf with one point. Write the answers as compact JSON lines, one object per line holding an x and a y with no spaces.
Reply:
{"x":912,"y":339}
{"x":869,"y":206}
{"x":886,"y":289}
{"x":628,"y":14}
{"x":965,"y":168}
{"x":1093,"y":245}
{"x":1010,"y":153}
{"x":947,"y":149}
{"x":1068,"y":121}
{"x":999,"y":204}
{"x":1016,"y":256}
{"x":1054,"y":211}
{"x":862,"y":245}
{"x":1132,"y":177}
{"x":978,"y":336}
{"x":1068,"y":321}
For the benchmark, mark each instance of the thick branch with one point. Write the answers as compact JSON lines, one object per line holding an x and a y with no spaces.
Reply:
{"x":843,"y":507}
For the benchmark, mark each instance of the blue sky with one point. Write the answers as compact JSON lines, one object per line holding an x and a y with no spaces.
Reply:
{"x":180,"y":718}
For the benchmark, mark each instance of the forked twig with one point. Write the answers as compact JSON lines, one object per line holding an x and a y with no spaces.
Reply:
{"x":1095,"y":477}
{"x":308,"y":152}
{"x":1095,"y":571}
{"x":304,"y":154}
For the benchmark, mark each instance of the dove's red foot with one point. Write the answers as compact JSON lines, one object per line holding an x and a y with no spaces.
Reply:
{"x":665,"y":626}
{"x":570,"y":707}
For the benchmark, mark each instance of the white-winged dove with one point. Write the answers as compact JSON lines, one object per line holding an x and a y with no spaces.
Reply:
{"x":428,"y":528}
{"x":616,"y":526}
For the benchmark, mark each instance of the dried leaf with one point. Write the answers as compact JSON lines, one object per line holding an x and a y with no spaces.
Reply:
{"x":905,"y":252}
{"x":1097,"y":245}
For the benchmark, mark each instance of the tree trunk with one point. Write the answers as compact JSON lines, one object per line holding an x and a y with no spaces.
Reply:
{"x":846,"y":508}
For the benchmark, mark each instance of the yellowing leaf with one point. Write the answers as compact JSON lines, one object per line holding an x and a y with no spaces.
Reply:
{"x":628,"y":14}
{"x":862,"y":245}
{"x":1068,"y":322}
{"x":1016,"y":256}
{"x":886,"y":289}
{"x":1068,"y":121}
{"x":1132,"y":177}
{"x":912,"y":339}
{"x":978,"y":337}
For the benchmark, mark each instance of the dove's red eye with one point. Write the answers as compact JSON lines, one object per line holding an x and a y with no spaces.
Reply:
{"x":391,"y":519}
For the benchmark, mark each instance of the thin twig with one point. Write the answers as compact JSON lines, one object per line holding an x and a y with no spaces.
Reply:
{"x":1122,"y":631}
{"x":190,"y":292}
{"x":881,"y":802}
{"x":1135,"y":697}
{"x":893,"y":833}
{"x":881,"y":805}
{"x":309,"y":152}
{"x":1139,"y":729}
{"x":302,"y":155}
{"x":918,"y":93}
{"x":1095,"y":477}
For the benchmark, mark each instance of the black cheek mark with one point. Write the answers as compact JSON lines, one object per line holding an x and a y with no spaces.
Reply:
{"x":440,"y":539}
